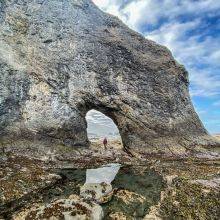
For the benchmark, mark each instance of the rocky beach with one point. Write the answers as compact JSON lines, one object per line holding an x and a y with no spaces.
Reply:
{"x":53,"y":184}
{"x":58,"y":61}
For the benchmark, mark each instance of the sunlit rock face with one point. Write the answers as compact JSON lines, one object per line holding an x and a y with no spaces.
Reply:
{"x":59,"y":59}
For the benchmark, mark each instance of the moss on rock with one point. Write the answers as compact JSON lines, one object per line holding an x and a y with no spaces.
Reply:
{"x":190,"y":201}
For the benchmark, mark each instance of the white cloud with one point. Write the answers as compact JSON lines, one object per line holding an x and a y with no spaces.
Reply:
{"x":204,"y":83}
{"x":149,"y":12}
{"x":193,"y":53}
{"x":215,"y":57}
{"x":102,"y":3}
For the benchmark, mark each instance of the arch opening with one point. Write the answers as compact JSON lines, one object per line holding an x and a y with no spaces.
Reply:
{"x":100,"y":126}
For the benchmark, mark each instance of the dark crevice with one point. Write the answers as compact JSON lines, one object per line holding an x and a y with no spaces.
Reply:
{"x":48,"y":41}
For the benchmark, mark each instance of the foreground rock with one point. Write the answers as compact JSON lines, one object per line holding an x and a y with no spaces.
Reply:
{"x":59,"y":59}
{"x":67,"y":209}
{"x":99,"y":192}
{"x":21,"y":177}
{"x":98,"y":183}
{"x":163,"y":188}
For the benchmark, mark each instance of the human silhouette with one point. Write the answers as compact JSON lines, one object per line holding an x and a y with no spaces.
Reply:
{"x":105,"y":142}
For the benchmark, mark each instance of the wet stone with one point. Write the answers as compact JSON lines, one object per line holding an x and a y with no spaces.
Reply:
{"x":100,"y":192}
{"x":67,"y":209}
{"x":98,"y":183}
{"x":136,"y":189}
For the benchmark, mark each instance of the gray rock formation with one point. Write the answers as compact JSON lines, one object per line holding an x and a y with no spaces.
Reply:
{"x":59,"y":59}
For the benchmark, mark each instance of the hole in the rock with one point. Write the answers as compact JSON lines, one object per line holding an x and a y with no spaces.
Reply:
{"x":100,"y":126}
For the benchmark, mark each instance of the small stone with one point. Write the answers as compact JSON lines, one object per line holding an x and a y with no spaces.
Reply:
{"x":99,"y":192}
{"x":169,"y":179}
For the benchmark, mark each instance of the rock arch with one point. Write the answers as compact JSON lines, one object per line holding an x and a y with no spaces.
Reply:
{"x":58,"y":59}
{"x":109,"y":112}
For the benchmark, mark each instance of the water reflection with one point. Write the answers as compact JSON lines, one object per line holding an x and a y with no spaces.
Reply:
{"x":134,"y":189}
{"x":104,"y":174}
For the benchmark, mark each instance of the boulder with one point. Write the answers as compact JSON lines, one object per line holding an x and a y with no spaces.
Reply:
{"x":60,"y":59}
{"x":98,"y":192}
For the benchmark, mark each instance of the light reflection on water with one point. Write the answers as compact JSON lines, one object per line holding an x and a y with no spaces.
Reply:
{"x":135,"y":188}
{"x":105,"y":174}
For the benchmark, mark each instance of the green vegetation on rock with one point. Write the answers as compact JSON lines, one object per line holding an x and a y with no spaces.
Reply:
{"x":190,"y":201}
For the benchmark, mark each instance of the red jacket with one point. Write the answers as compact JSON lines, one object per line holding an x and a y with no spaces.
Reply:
{"x":105,"y":141}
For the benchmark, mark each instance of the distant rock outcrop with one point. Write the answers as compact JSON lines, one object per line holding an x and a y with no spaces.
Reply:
{"x":59,"y":59}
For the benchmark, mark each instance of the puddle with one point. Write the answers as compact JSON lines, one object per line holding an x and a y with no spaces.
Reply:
{"x":136,"y":188}
{"x":104,"y":174}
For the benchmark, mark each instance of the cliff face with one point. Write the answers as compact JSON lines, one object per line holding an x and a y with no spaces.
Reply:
{"x":59,"y":59}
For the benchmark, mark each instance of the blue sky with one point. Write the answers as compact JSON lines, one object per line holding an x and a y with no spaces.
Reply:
{"x":191,"y":30}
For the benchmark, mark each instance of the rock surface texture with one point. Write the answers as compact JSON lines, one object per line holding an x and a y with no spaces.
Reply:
{"x":60,"y":59}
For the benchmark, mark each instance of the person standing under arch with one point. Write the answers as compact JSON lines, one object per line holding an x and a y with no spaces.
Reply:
{"x":105,"y":142}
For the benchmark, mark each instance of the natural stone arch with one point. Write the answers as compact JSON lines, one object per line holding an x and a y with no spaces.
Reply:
{"x":62,"y":58}
{"x":109,"y":112}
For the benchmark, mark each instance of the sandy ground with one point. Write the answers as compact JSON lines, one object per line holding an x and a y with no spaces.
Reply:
{"x":217,"y":136}
{"x":113,"y":143}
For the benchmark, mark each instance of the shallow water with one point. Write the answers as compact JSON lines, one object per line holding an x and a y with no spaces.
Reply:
{"x":141,"y":187}
{"x":102,"y":174}
{"x":136,"y":188}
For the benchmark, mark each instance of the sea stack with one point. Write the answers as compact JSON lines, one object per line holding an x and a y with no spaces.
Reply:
{"x":60,"y":59}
